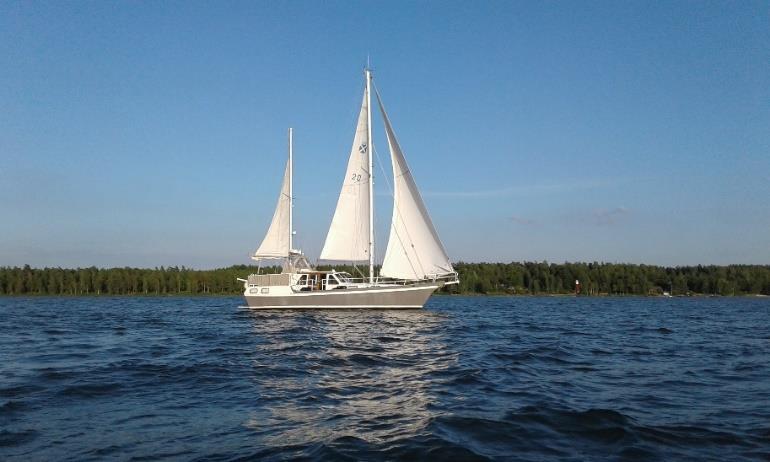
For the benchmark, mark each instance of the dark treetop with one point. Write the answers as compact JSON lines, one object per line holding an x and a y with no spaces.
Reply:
{"x":475,"y":278}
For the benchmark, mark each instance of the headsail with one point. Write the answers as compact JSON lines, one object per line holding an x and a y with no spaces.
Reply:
{"x":277,"y":242}
{"x":414,"y":250}
{"x":348,"y":237}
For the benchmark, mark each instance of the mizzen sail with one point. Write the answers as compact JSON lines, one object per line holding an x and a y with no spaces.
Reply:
{"x":277,"y":242}
{"x":348,"y":237}
{"x":414,"y":250}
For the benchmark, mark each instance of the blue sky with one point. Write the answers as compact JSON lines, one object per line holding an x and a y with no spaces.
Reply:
{"x":147,"y":134}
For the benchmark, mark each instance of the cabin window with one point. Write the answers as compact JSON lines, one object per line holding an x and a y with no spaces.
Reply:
{"x":331,"y":281}
{"x":344,"y":277}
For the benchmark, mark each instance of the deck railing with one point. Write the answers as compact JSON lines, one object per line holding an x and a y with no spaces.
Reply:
{"x":313,"y":284}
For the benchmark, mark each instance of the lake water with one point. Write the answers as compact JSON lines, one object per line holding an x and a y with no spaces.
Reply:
{"x":468,"y":378}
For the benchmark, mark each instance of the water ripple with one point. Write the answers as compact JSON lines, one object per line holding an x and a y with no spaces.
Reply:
{"x":465,"y":379}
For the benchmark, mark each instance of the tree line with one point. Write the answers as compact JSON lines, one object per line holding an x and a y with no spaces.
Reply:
{"x":611,"y":279}
{"x":527,"y":278}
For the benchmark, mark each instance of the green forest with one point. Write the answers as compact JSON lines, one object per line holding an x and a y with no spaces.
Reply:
{"x":528,"y":278}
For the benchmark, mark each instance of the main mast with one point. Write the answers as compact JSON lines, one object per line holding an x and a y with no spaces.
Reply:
{"x":369,"y":149}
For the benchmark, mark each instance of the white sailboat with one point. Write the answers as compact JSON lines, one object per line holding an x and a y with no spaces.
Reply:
{"x":415,"y":262}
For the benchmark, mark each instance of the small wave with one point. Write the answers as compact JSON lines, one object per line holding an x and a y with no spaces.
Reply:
{"x":138,"y":417}
{"x":152,"y":322}
{"x":475,"y":438}
{"x":53,"y":357}
{"x":19,"y":390}
{"x":606,"y":426}
{"x":556,"y":417}
{"x":367,"y":360}
{"x":306,"y":452}
{"x":431,"y":447}
{"x":576,"y":333}
{"x":584,"y":369}
{"x":599,"y":352}
{"x":91,"y":390}
{"x":162,"y":455}
{"x":386,"y":339}
{"x":467,"y":377}
{"x":690,"y":435}
{"x":54,"y":332}
{"x":12,"y":407}
{"x":658,"y":330}
{"x":634,"y":452}
{"x":331,"y":361}
{"x":748,"y":367}
{"x":162,"y":373}
{"x":9,"y":438}
{"x":51,"y":374}
{"x":107,"y":450}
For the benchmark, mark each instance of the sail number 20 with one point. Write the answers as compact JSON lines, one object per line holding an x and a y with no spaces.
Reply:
{"x":356,"y":177}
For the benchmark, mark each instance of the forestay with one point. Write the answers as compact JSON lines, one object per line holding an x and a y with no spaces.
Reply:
{"x":414,"y":250}
{"x":276,"y":243}
{"x":348,"y":237}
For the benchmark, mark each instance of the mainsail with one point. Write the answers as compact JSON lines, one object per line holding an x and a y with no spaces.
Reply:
{"x":277,"y":242}
{"x":414,"y":250}
{"x":348,"y":237}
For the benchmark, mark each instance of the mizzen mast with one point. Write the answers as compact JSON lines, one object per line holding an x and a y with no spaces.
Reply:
{"x":291,"y":190}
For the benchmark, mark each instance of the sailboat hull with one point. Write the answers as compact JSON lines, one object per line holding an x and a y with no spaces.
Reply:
{"x":382,"y":297}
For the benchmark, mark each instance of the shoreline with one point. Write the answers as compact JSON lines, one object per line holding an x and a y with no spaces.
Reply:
{"x":472,"y":294}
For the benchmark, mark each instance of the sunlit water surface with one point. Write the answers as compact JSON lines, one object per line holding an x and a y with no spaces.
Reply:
{"x":473,"y":378}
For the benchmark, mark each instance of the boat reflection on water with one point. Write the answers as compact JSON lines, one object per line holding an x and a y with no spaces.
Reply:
{"x":325,"y":375}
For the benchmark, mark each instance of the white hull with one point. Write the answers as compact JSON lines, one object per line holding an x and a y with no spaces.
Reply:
{"x":378,"y":297}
